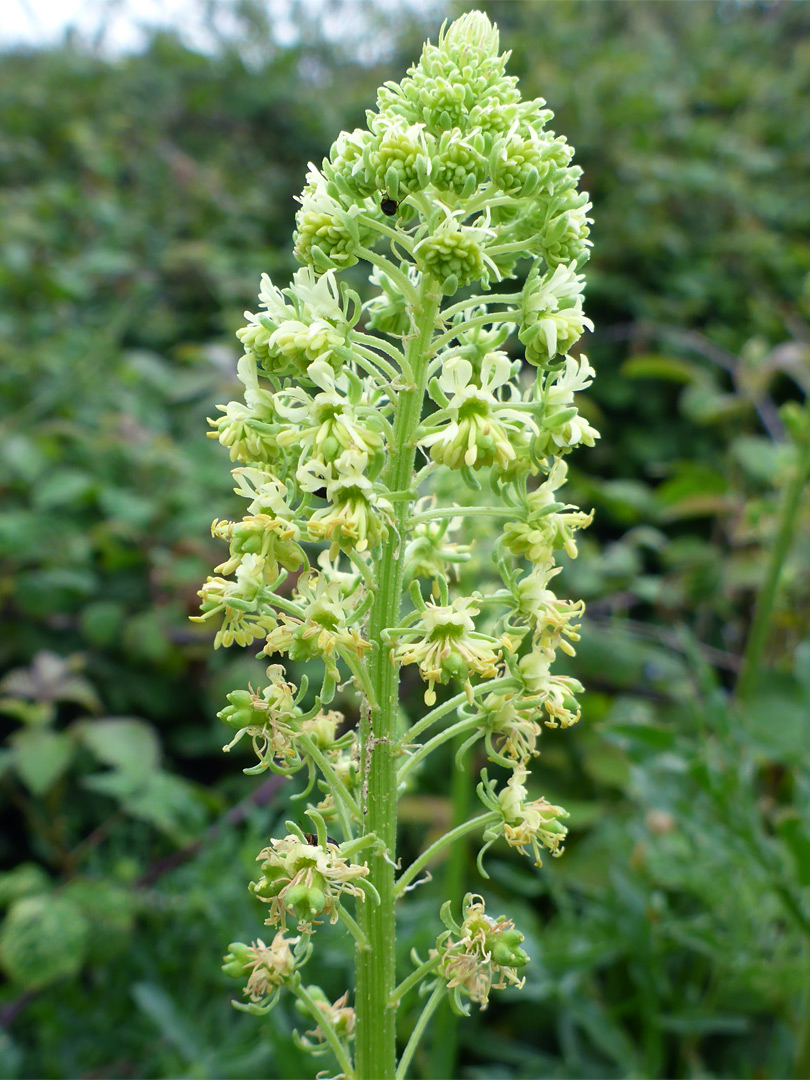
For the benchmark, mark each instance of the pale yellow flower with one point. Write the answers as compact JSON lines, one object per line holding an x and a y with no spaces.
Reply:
{"x":448,"y":647}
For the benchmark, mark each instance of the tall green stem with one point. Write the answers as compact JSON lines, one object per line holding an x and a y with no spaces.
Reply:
{"x":757,"y":635}
{"x":375,"y":971}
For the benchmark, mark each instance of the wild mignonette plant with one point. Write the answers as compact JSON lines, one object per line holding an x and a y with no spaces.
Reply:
{"x":357,"y":420}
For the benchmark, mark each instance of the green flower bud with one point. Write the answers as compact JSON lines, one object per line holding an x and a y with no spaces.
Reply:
{"x":506,"y":951}
{"x":238,"y":959}
{"x":239,"y":713}
{"x":306,"y":902}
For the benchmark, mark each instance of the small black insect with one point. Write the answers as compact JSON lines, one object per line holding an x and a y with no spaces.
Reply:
{"x":388,"y":206}
{"x":312,"y":839}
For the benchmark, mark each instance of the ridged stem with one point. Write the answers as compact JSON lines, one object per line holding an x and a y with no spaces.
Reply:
{"x":375,"y":970}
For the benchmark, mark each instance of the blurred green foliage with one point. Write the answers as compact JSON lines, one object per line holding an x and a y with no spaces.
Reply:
{"x":140,"y":199}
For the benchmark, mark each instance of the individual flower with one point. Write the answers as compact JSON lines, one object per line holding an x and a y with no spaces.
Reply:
{"x":239,"y":603}
{"x":323,"y":629}
{"x":248,"y":430}
{"x":246,"y":433}
{"x":310,"y":323}
{"x":340,"y":417}
{"x":272,"y":720}
{"x":552,"y":320}
{"x":562,"y":426}
{"x":554,"y":622}
{"x":305,"y":880}
{"x":527,"y":826}
{"x":346,"y":166}
{"x":479,"y":954}
{"x":328,"y":235}
{"x":356,"y":516}
{"x":313,"y":296}
{"x":475,"y":429}
{"x":261,"y":545}
{"x":273,"y":539}
{"x":546,"y":525}
{"x":553,"y":693}
{"x":340,"y":1016}
{"x":267,"y":493}
{"x":267,"y":966}
{"x":509,"y":726}
{"x":296,"y":344}
{"x":447,"y":646}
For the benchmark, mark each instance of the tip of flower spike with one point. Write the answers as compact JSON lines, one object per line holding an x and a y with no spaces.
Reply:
{"x":472,"y":28}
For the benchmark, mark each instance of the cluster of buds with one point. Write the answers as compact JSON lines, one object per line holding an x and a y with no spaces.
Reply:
{"x":375,"y":437}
